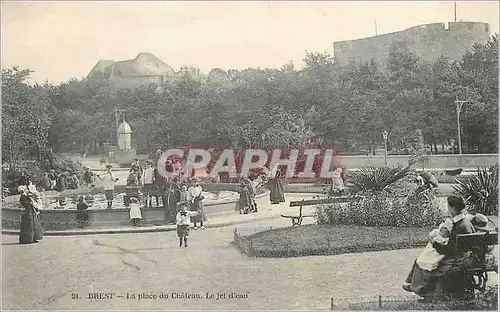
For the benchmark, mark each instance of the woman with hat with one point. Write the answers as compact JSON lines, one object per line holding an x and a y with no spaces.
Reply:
{"x":277,"y":194}
{"x":448,"y":278}
{"x":31,"y":229}
{"x":245,"y":201}
{"x":196,"y":193}
{"x":483,"y":224}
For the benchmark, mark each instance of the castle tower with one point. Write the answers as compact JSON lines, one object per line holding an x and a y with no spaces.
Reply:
{"x":124,"y":136}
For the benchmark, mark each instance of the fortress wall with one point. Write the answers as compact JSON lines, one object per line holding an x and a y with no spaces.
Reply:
{"x":429,"y":42}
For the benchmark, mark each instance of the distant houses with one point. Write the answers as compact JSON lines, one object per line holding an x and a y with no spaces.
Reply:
{"x":145,"y":69}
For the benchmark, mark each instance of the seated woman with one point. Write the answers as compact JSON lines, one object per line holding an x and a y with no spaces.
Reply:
{"x":448,"y":278}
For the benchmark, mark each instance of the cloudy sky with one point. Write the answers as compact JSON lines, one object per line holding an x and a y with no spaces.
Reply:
{"x":61,"y":40}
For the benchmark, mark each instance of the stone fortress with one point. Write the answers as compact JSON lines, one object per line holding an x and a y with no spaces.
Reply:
{"x":428,"y":42}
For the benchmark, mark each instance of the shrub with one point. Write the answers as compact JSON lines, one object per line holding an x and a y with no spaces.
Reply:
{"x":398,"y":205}
{"x":67,"y":165}
{"x":14,"y":174}
{"x":375,"y":179}
{"x":480,"y":191}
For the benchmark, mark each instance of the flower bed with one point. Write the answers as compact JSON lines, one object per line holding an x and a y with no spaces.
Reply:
{"x":311,"y":240}
{"x":396,"y":205}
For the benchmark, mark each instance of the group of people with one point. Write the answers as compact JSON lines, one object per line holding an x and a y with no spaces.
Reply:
{"x":58,"y":181}
{"x":246,"y":203}
{"x":171,"y":191}
{"x":439,"y":271}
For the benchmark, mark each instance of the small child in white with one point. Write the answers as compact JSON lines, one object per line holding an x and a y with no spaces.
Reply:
{"x":337,"y":181}
{"x":429,"y":258}
{"x":135,"y":211}
{"x":184,"y":222}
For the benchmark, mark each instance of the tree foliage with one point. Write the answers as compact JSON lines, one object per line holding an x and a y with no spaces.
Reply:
{"x":320,"y":104}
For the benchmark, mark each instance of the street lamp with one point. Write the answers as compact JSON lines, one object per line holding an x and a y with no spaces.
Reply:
{"x":459,"y":105}
{"x":384,"y":135}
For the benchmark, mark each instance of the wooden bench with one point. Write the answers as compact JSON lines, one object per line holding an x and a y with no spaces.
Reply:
{"x":297,"y":219}
{"x":477,"y":243}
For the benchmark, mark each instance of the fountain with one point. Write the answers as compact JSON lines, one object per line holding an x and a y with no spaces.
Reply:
{"x":55,"y":216}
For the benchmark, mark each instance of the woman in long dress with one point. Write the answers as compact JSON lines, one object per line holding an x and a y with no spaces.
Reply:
{"x":448,"y":278}
{"x":196,"y":193}
{"x":245,"y":202}
{"x":31,"y":229}
{"x":277,"y":194}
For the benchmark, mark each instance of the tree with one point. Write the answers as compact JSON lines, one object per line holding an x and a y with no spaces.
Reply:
{"x":24,"y":114}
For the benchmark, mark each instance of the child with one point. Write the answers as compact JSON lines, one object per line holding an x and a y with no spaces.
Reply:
{"x":82,"y":215}
{"x":184,"y":222}
{"x":135,"y":211}
{"x":337,"y":181}
{"x":429,"y":258}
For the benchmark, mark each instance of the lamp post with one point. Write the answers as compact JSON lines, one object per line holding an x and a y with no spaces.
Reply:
{"x":459,"y":105}
{"x":384,"y":135}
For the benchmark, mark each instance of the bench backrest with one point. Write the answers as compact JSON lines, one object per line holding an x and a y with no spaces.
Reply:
{"x":477,"y":242}
{"x":332,"y":200}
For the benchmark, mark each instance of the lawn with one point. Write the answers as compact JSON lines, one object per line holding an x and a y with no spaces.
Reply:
{"x":310,"y":240}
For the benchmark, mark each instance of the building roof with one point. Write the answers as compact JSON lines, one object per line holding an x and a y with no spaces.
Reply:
{"x":145,"y":64}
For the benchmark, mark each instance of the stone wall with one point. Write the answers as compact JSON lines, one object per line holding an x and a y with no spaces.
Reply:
{"x":429,"y":42}
{"x":466,"y":161}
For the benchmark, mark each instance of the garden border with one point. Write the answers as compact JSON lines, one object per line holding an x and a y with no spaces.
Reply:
{"x":245,"y":245}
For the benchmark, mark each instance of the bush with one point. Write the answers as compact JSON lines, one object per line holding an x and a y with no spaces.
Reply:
{"x":480,"y":191}
{"x":15,"y":174}
{"x":61,"y":164}
{"x":398,"y":205}
{"x":375,"y":179}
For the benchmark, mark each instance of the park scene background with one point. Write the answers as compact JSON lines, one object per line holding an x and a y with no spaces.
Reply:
{"x":71,"y":125}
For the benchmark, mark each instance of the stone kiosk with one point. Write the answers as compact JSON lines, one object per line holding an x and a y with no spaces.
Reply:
{"x":124,"y":156}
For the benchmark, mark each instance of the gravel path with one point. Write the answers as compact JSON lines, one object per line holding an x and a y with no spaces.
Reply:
{"x":45,"y":275}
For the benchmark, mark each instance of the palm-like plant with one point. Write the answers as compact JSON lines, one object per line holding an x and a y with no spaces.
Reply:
{"x":480,"y":191}
{"x":376,"y":179}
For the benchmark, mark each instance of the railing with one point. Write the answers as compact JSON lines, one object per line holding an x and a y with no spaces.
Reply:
{"x":370,"y":303}
{"x":241,"y":241}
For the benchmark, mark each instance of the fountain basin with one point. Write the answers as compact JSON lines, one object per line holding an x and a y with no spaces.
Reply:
{"x":65,"y":218}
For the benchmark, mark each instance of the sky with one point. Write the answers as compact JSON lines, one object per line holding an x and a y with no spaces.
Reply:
{"x":63,"y":40}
